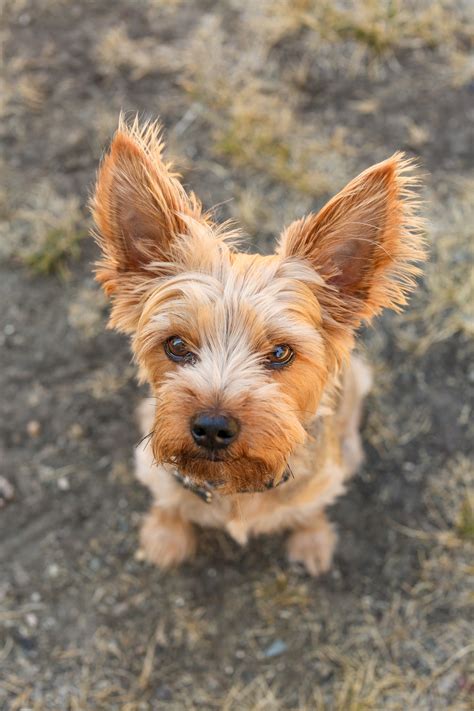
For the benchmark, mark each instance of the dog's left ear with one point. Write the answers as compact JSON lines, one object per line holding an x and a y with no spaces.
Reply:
{"x":140,"y":209}
{"x":365,"y":242}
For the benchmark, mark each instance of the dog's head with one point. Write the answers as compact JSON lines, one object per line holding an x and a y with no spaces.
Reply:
{"x":239,"y":348}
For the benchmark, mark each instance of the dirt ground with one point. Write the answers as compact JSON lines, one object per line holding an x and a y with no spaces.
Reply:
{"x":268,"y":107}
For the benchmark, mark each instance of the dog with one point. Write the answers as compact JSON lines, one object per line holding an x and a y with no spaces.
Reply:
{"x":253,"y":421}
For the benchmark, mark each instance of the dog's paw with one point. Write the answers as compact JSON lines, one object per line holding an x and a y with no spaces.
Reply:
{"x":166,"y":540}
{"x":313,"y":547}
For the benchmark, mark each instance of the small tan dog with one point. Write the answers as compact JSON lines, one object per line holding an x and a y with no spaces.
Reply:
{"x":248,"y":356}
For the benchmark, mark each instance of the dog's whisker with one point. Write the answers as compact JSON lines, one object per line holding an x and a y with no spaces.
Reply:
{"x":146,"y":438}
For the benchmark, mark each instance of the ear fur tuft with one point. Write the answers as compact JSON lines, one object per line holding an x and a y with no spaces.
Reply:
{"x":365,"y":242}
{"x":139,"y":206}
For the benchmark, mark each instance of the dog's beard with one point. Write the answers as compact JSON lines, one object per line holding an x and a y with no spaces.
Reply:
{"x":224,"y":473}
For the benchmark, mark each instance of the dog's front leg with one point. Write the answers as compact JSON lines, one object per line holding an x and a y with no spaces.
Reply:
{"x":313,"y":545}
{"x":166,"y":538}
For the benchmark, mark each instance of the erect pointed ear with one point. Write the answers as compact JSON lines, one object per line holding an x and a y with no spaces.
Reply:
{"x":139,"y":206}
{"x":364,"y":242}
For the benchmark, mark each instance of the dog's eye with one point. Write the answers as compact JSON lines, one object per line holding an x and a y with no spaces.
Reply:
{"x":280,"y":356}
{"x":178,"y":350}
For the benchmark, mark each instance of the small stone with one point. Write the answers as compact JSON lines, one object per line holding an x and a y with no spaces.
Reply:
{"x":7,"y":491}
{"x":63,"y":483}
{"x":275,"y":649}
{"x":53,"y":570}
{"x":26,"y":643}
{"x":448,"y":682}
{"x":76,"y":431}
{"x":164,"y":693}
{"x":33,"y":428}
{"x":9,"y":329}
{"x":49,"y":623}
{"x":94,"y":564}
{"x":31,"y":619}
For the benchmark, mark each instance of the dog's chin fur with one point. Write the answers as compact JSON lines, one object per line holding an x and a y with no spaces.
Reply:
{"x":228,"y":476}
{"x":171,"y":271}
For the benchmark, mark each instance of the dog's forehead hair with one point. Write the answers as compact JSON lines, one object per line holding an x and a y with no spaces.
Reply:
{"x":231,"y":314}
{"x":238,"y":301}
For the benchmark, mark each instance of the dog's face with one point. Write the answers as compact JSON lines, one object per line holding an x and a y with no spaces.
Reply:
{"x":232,"y":345}
{"x":238,"y":348}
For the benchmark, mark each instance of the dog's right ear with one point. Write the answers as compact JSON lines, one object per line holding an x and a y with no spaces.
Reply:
{"x":139,"y":208}
{"x":365,"y":243}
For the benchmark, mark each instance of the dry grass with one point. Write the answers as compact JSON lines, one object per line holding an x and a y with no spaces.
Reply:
{"x":378,"y":26}
{"x":86,"y":311}
{"x":273,"y":105}
{"x":449,"y":499}
{"x":117,"y":52}
{"x":53,"y":247}
{"x":449,"y":306}
{"x":253,"y":117}
{"x":45,"y":234}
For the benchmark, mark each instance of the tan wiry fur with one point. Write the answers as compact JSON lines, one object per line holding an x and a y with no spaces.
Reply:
{"x":170,"y":271}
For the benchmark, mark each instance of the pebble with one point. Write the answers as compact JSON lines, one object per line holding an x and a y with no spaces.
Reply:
{"x":95,"y":564}
{"x":275,"y":649}
{"x":63,"y":483}
{"x":31,"y":619}
{"x":76,"y":431}
{"x":33,"y":428}
{"x":53,"y":570}
{"x":6,"y":491}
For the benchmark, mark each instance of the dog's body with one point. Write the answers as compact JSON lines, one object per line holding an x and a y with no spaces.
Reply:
{"x":253,"y":425}
{"x":320,"y":467}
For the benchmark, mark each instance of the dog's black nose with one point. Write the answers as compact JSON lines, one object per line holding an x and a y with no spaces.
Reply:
{"x":214,"y":431}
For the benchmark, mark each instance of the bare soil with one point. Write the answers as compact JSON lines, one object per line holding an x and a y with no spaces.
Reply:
{"x":269,"y":108}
